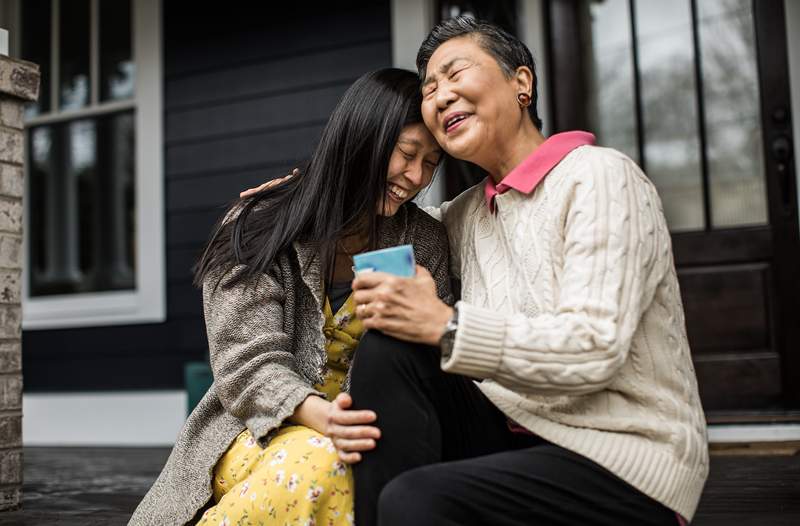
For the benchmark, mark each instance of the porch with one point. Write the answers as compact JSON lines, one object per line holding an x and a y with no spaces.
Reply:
{"x":101,"y":486}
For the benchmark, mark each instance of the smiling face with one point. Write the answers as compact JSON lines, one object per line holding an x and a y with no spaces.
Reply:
{"x":411,"y":166}
{"x":468,"y":103}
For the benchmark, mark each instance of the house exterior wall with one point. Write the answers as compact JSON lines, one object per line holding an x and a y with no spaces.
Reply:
{"x":246,"y":94}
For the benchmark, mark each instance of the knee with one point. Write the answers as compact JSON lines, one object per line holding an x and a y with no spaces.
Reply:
{"x":380,"y":356}
{"x":419,"y":486}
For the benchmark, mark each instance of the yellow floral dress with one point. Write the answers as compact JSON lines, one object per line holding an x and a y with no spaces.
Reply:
{"x":297,"y":479}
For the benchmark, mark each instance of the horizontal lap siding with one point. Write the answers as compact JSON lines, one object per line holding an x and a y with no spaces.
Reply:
{"x":246,"y":95}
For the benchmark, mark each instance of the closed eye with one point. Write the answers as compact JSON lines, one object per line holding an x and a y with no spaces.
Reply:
{"x":408,"y":156}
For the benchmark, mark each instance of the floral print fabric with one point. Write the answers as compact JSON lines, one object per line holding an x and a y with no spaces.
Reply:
{"x":298,"y":478}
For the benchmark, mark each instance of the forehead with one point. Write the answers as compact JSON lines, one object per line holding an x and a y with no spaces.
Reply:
{"x":418,"y":135}
{"x":463,"y":47}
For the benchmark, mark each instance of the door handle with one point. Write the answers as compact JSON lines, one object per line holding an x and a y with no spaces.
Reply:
{"x":782,"y":153}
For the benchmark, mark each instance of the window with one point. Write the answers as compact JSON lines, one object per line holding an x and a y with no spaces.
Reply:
{"x":94,"y":215}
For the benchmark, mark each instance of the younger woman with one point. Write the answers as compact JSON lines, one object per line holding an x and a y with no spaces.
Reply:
{"x":259,"y":448}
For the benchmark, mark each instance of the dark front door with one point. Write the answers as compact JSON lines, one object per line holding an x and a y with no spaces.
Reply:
{"x":697,"y":92}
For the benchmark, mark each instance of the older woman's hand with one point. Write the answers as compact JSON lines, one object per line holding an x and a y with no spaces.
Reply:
{"x":348,"y":429}
{"x":404,"y":308}
{"x":268,"y":184}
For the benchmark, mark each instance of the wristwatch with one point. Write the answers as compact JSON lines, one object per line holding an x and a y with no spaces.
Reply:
{"x":448,"y":338}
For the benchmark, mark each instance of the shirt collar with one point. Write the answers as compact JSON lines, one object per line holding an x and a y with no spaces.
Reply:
{"x":531,"y":171}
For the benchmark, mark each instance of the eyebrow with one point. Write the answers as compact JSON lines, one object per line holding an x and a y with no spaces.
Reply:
{"x":442,"y":69}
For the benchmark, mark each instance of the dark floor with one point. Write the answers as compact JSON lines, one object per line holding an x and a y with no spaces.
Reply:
{"x":101,"y":486}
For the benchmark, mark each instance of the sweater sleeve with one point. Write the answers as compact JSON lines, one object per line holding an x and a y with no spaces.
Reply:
{"x":251,"y":359}
{"x":612,"y":218}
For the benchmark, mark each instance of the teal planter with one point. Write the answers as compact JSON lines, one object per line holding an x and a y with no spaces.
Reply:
{"x":197,"y":378}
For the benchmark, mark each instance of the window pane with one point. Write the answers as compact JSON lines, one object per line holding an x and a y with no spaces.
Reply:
{"x":116,"y":62}
{"x":35,"y":42}
{"x":74,"y":39}
{"x":54,"y":233}
{"x":115,"y":217}
{"x":82,"y":220}
{"x":611,"y":106}
{"x":40,"y":171}
{"x":733,"y":116}
{"x":669,"y":107}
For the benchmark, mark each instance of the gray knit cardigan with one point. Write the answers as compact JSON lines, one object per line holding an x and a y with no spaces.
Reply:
{"x":267,"y":351}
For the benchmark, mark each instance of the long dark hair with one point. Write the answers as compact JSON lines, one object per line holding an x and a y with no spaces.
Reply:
{"x":340,"y":191}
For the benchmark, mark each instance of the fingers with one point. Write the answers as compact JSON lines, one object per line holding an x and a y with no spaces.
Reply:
{"x":349,"y":458}
{"x":269,"y":184}
{"x":249,"y":192}
{"x":343,"y":400}
{"x":354,"y":432}
{"x":370,"y":280}
{"x":351,"y":445}
{"x":352,"y":418}
{"x":423,"y":272}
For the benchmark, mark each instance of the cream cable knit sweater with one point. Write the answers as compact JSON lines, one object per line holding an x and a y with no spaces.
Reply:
{"x":572,"y":315}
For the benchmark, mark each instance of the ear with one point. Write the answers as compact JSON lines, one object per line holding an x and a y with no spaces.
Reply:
{"x":524,"y":79}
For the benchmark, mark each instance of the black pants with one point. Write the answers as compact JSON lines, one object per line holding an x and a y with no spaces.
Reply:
{"x":447,"y":456}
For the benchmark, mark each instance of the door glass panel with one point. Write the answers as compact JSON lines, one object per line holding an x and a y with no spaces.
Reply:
{"x":669,"y":109}
{"x":612,"y":109}
{"x":733,"y":116}
{"x":652,"y":68}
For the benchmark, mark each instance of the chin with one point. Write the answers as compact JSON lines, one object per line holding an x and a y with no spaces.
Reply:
{"x":463,"y":148}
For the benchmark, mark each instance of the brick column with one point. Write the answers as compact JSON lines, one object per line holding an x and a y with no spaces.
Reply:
{"x":19,"y":82}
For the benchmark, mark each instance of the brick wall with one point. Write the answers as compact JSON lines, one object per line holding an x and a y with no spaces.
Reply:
{"x":19,"y":82}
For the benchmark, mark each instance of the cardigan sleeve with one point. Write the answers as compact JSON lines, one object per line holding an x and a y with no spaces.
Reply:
{"x":432,"y":250}
{"x":612,"y":228}
{"x":251,"y":359}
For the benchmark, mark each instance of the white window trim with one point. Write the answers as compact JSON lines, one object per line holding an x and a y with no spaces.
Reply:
{"x":147,"y":303}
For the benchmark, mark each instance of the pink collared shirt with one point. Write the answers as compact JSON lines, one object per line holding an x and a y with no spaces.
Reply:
{"x":530,"y":172}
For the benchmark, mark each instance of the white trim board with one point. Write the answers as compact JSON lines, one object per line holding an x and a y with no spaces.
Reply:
{"x":144,"y":419}
{"x":154,"y":418}
{"x":746,"y":433}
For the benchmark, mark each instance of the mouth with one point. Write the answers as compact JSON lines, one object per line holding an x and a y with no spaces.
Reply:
{"x":396,"y":193}
{"x":454,"y":120}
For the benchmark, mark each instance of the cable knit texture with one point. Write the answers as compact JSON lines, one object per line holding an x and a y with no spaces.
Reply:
{"x":572,"y":315}
{"x":267,"y":351}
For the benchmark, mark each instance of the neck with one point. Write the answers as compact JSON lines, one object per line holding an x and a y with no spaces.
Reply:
{"x":356,"y":239}
{"x":513,"y":151}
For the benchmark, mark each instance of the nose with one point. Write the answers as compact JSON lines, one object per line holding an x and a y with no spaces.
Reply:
{"x":444,"y":97}
{"x":415,"y":175}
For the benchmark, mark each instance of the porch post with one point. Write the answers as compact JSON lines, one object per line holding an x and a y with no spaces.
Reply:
{"x":19,"y":83}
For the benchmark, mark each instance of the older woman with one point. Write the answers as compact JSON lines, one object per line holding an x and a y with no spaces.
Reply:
{"x":586,"y":409}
